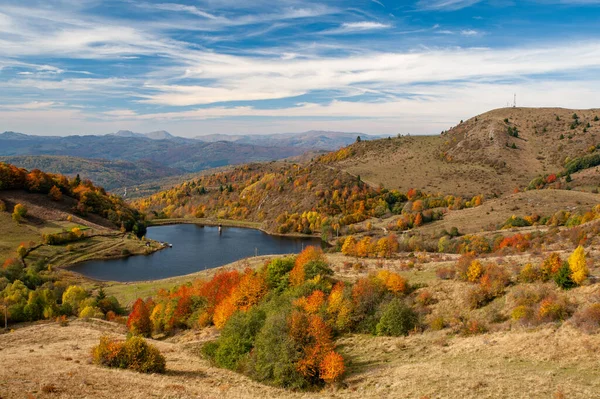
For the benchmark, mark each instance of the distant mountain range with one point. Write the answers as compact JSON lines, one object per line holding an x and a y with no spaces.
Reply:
{"x":313,"y":139}
{"x":157,"y":135}
{"x":105,"y":158}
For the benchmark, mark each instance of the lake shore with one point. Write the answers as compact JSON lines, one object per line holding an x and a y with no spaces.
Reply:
{"x":227,"y":223}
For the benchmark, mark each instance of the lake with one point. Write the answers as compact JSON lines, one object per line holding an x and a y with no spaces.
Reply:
{"x":195,"y":248}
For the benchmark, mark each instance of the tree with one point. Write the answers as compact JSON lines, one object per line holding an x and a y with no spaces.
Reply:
{"x":73,"y":297}
{"x":21,"y":251}
{"x":349,"y":247}
{"x":298,"y":274}
{"x":55,"y":194}
{"x":19,"y":213}
{"x":358,"y":139}
{"x":138,"y":322}
{"x":331,"y":367}
{"x":577,"y":265}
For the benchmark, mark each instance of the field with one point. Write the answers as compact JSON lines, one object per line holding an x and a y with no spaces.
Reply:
{"x":549,"y":360}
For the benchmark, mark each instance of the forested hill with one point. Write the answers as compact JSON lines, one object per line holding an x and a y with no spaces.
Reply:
{"x":87,"y":198}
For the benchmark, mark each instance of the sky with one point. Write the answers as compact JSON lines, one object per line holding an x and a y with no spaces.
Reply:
{"x":249,"y":67}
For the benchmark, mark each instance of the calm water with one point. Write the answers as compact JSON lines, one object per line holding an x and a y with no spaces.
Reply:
{"x":195,"y":248}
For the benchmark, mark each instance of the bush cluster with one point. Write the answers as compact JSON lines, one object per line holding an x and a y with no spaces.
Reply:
{"x":133,"y":354}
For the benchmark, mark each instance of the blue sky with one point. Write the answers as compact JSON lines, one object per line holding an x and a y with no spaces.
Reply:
{"x":234,"y":66}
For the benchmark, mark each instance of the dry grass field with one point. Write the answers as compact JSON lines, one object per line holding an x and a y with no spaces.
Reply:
{"x":45,"y":360}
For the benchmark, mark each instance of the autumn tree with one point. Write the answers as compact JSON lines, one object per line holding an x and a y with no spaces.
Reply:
{"x":138,"y":322}
{"x":332,"y":367}
{"x":577,"y":265}
{"x":349,"y":246}
{"x":310,"y":254}
{"x":55,"y":194}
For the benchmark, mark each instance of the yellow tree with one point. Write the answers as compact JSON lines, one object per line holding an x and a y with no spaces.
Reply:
{"x":578,"y":266}
{"x":349,"y":247}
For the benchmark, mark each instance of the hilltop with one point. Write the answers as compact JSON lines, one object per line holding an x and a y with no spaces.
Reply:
{"x":477,"y":156}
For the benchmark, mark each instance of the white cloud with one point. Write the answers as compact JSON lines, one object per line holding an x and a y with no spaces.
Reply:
{"x":447,"y":5}
{"x":353,"y":27}
{"x":30,"y":105}
{"x":236,"y":78}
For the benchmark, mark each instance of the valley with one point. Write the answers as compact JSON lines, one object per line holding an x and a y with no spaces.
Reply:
{"x":454,"y":265}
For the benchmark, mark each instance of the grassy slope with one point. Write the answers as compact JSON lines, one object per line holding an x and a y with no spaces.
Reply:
{"x":45,"y":216}
{"x":508,"y":362}
{"x":472,"y":158}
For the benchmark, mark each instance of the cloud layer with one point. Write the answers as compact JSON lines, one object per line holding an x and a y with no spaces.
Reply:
{"x":71,"y":67}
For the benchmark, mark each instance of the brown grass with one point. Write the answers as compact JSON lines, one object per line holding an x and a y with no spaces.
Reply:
{"x":472,"y":158}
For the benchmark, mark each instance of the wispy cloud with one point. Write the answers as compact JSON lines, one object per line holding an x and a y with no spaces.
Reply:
{"x":353,"y":27}
{"x":447,"y":5}
{"x":229,"y":65}
{"x":30,"y":105}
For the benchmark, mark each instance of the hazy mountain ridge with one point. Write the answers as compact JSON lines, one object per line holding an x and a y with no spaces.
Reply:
{"x":313,"y":139}
{"x":185,"y":154}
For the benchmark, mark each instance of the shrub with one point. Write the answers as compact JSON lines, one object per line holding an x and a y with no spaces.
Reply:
{"x":19,"y":212}
{"x":91,"y":312}
{"x":62,"y":321}
{"x":277,"y":273}
{"x":393,"y":282}
{"x":237,"y":338}
{"x":134,"y":354}
{"x":437,"y":323}
{"x":563,"y":277}
{"x":473,"y":327}
{"x":474,"y":271}
{"x":398,"y":319}
{"x":445,"y":273}
{"x":310,"y":254}
{"x":588,"y":318}
{"x":463,"y":264}
{"x":529,"y":274}
{"x":553,"y":309}
{"x":2,"y":206}
{"x":550,"y":266}
{"x":54,"y":194}
{"x":275,"y":354}
{"x":73,"y":296}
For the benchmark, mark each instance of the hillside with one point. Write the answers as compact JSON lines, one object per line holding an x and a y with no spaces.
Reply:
{"x":554,"y":358}
{"x":108,"y":174}
{"x":477,"y":156}
{"x":66,"y":210}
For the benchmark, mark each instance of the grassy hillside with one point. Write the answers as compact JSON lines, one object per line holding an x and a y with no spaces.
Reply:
{"x":53,"y":206}
{"x":474,"y":158}
{"x":477,"y":156}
